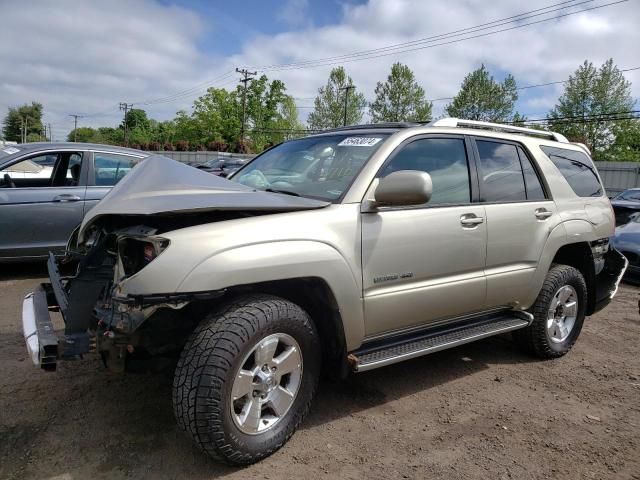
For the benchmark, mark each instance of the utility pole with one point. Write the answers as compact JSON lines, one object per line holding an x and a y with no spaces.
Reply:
{"x":246,"y":78}
{"x":24,"y":127}
{"x":50,"y":134}
{"x":346,"y":101}
{"x":75,"y":126}
{"x":124,"y":106}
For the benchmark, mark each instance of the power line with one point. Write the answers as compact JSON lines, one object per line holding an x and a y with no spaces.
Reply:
{"x":432,"y":38}
{"x":367,"y":56}
{"x":184,"y":93}
{"x":527,"y":87}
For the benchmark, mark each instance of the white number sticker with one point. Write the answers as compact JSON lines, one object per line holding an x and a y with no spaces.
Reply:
{"x":10,"y":150}
{"x":359,"y":141}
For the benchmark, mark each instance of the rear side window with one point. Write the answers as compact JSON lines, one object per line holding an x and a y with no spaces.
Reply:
{"x":577,"y":169}
{"x":531,"y":179}
{"x":109,"y":168}
{"x":445,"y":159}
{"x":501,"y":178}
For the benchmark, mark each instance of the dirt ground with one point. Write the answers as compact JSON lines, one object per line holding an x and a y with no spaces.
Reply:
{"x":483,"y":410}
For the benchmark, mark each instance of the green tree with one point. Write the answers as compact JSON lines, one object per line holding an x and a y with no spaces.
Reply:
{"x":482,"y":98}
{"x":83,"y":134}
{"x":14,"y":121}
{"x":328,"y":109}
{"x":215,"y":117}
{"x":626,"y":146}
{"x":596,"y":94}
{"x":400,"y":98}
{"x":270,"y":114}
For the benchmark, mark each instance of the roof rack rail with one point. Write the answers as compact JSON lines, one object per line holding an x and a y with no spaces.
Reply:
{"x":459,"y":122}
{"x":370,"y":126}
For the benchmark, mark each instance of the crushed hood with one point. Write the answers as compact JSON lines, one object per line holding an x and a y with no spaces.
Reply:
{"x":159,"y":185}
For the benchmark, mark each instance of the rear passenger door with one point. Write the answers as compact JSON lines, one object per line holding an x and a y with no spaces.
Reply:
{"x":107,"y":169}
{"x":520,"y":216}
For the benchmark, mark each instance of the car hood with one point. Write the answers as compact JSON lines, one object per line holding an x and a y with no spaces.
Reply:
{"x":159,"y":185}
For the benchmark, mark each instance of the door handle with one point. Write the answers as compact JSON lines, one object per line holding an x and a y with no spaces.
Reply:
{"x":66,"y":197}
{"x":543,"y":213}
{"x":470,"y":220}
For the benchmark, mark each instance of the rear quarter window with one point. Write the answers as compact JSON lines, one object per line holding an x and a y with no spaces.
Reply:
{"x":577,"y":169}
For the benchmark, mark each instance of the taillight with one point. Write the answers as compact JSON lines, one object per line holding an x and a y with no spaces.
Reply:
{"x":613,"y":218}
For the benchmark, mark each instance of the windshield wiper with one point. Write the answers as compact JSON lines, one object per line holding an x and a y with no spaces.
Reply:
{"x":286,"y":192}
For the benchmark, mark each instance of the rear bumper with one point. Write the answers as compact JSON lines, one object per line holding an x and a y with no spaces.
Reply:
{"x":608,"y":280}
{"x":37,"y":327}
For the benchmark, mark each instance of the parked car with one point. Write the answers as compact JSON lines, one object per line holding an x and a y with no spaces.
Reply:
{"x":625,"y":204}
{"x":348,"y":250}
{"x":46,"y":189}
{"x":627,"y":241}
{"x":222,"y":166}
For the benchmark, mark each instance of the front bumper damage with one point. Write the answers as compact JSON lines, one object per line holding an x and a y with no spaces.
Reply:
{"x":39,"y":334}
{"x":96,"y":321}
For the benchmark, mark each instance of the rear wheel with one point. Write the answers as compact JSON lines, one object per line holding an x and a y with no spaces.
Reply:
{"x":558,"y":314}
{"x":246,"y":378}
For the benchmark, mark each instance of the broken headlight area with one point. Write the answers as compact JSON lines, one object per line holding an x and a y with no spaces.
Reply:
{"x":135,"y":253}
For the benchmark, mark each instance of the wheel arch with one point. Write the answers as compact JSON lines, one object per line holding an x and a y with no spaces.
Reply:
{"x":315,"y":296}
{"x":579,"y":256}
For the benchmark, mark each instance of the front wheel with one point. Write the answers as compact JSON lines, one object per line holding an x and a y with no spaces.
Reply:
{"x":558,"y":314}
{"x":246,"y":378}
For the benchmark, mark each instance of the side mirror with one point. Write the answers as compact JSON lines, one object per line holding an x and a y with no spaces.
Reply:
{"x":404,"y":187}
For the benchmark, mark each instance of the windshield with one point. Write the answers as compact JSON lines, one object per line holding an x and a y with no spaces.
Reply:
{"x":629,"y":195}
{"x":318,"y":167}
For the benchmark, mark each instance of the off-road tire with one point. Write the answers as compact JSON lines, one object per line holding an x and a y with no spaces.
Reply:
{"x":534,"y":339}
{"x":204,"y":376}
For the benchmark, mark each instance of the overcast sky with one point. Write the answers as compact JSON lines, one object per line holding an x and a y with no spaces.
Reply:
{"x":86,"y":56}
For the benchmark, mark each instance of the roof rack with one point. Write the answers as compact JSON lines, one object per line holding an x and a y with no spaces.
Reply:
{"x":458,"y":122}
{"x":370,"y":126}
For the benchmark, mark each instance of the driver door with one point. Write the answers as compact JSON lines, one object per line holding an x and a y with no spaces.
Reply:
{"x":41,"y":204}
{"x":425,"y":263}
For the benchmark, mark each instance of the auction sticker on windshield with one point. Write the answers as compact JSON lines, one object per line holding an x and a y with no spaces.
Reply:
{"x":359,"y":141}
{"x":10,"y":150}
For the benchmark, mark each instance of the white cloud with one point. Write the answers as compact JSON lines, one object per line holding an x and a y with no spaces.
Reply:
{"x":295,"y":13}
{"x":87,"y":56}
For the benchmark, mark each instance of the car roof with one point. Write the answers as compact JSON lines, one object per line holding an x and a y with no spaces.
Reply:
{"x":9,"y":153}
{"x":35,"y":146}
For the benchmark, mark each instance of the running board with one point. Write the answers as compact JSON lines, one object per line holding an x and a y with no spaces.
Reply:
{"x":430,"y":341}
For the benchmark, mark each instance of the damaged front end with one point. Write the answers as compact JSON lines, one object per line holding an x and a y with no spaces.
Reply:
{"x":128,"y":331}
{"x":116,"y":241}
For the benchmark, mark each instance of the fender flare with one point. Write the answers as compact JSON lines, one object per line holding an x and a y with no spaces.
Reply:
{"x":285,"y":260}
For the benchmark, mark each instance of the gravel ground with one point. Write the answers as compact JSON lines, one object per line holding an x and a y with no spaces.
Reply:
{"x":482,"y":410}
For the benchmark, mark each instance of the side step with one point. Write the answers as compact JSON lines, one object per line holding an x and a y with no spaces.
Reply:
{"x":430,"y":341}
